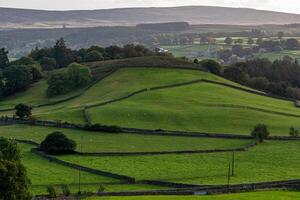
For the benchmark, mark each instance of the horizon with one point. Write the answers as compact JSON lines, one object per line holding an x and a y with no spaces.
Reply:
{"x":290,"y":6}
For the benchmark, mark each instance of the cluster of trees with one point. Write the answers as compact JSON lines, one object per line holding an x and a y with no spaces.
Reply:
{"x":61,"y":56}
{"x":17,"y":75}
{"x":73,"y":77}
{"x":281,"y":77}
{"x":14,"y":184}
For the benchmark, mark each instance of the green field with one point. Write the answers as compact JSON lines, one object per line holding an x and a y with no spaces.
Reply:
{"x":200,"y":107}
{"x":269,"y":161}
{"x":276,"y":195}
{"x":43,"y":173}
{"x":117,"y":142}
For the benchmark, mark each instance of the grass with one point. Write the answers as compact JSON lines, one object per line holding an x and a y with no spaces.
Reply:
{"x":269,"y":161}
{"x":200,"y":107}
{"x":270,"y":195}
{"x":42,"y":173}
{"x":120,"y":84}
{"x":105,"y":142}
{"x":35,"y":95}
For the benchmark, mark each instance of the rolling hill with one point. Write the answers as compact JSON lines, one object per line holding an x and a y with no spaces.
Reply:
{"x":18,"y":18}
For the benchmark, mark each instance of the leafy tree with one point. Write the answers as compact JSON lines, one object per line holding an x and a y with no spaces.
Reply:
{"x":228,"y":40}
{"x":259,"y":41}
{"x":59,"y":83}
{"x":224,"y":54}
{"x":236,"y":74}
{"x":23,"y":110}
{"x":13,"y":178}
{"x":260,"y":83}
{"x":212,"y":66}
{"x":16,"y":78}
{"x":48,"y":63}
{"x":60,"y":53}
{"x":292,"y":44}
{"x":260,"y":132}
{"x":93,"y":56}
{"x":58,"y":143}
{"x":80,"y":75}
{"x":280,"y":35}
{"x":4,"y":62}
{"x":238,"y":50}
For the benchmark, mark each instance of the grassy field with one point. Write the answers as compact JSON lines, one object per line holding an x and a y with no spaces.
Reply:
{"x":272,"y":195}
{"x":279,"y":55}
{"x":43,"y":173}
{"x":269,"y":161}
{"x":200,"y":107}
{"x":105,"y":142}
{"x":120,"y":84}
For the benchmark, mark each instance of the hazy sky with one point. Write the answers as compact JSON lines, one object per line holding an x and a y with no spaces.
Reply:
{"x":277,"y":5}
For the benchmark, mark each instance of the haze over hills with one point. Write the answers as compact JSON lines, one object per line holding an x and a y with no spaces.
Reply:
{"x":20,"y":18}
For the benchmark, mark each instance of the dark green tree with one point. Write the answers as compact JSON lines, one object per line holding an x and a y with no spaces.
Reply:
{"x":212,"y":66}
{"x":23,"y":110}
{"x":58,"y":143}
{"x":13,"y":177}
{"x":59,"y":83}
{"x":80,"y":75}
{"x":4,"y":62}
{"x":61,"y":53}
{"x":228,"y":40}
{"x":93,"y":56}
{"x":236,"y":74}
{"x":260,"y":132}
{"x":48,"y":63}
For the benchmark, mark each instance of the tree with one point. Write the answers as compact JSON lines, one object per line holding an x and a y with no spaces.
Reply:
{"x":238,"y":50}
{"x":58,"y":143}
{"x":259,"y":41}
{"x":228,"y":41}
{"x":4,"y":62}
{"x":13,"y":177}
{"x":60,"y":53}
{"x":224,"y":54}
{"x":23,"y":110}
{"x":93,"y":56}
{"x":16,"y":78}
{"x":212,"y":66}
{"x":260,"y":132}
{"x":250,"y":41}
{"x":48,"y":63}
{"x":280,"y":35}
{"x":260,"y":83}
{"x":59,"y":83}
{"x":236,"y":74}
{"x":292,"y":44}
{"x":80,"y":75}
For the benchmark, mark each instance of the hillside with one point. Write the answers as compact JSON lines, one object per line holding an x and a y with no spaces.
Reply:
{"x":157,"y":93}
{"x":162,"y":93}
{"x":12,"y":18}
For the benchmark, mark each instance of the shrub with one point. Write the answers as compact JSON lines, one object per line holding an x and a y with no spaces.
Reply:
{"x":101,"y":189}
{"x":52,"y":191}
{"x":58,"y":143}
{"x":260,"y":132}
{"x":23,"y":110}
{"x":294,"y":132}
{"x":66,"y":190}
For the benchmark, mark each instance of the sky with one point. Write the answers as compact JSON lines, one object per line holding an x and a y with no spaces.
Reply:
{"x":292,"y":6}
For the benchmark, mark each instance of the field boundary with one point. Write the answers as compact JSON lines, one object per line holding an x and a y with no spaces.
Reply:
{"x":4,"y":121}
{"x":102,"y":154}
{"x":82,"y":168}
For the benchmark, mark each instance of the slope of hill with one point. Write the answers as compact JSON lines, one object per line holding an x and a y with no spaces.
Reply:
{"x":131,"y":16}
{"x":165,"y":98}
